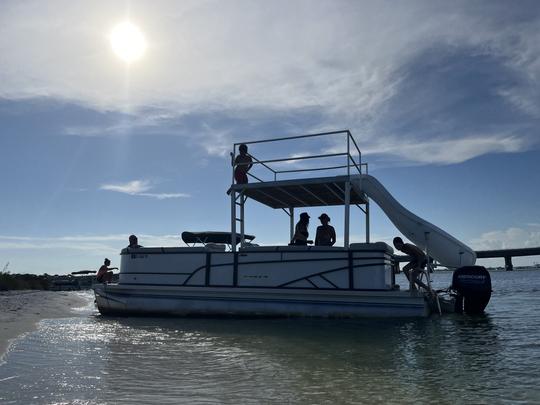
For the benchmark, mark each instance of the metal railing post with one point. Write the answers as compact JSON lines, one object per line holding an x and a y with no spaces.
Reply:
{"x":367,"y":222}
{"x":347,"y":212}
{"x":348,"y":154}
{"x":242,"y":202}
{"x":291,"y":228}
{"x":233,"y":220}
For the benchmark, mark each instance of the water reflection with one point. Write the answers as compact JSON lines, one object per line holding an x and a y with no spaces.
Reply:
{"x":93,"y":359}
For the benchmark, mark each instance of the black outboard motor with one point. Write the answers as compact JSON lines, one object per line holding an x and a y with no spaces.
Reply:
{"x":472,"y":285}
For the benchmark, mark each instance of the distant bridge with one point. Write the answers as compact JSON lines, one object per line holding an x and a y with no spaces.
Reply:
{"x":507,"y":254}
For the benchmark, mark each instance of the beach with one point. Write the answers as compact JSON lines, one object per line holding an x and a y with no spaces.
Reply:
{"x":20,"y":311}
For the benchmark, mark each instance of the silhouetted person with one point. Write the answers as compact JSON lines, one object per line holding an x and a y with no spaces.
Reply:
{"x":242,"y":163}
{"x":326,"y":234}
{"x":133,"y":242}
{"x":414,"y":268}
{"x":105,"y":274}
{"x":301,"y":233}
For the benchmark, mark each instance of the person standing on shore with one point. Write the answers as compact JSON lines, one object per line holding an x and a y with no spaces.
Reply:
{"x":105,"y":274}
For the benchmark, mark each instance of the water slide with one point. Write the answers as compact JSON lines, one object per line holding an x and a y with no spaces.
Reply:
{"x":442,"y":246}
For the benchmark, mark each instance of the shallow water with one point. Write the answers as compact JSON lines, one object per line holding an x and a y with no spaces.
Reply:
{"x":89,"y":359}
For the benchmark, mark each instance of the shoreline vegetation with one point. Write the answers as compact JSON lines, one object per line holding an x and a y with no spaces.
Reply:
{"x":24,"y":282}
{"x":10,"y":282}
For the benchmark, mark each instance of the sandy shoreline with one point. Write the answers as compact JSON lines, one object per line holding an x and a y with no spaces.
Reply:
{"x":20,"y":311}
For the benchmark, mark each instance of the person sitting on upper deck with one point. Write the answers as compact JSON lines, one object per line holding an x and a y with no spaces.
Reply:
{"x":242,"y":163}
{"x":326,"y":234}
{"x":133,"y":242}
{"x":418,"y":261}
{"x":301,"y":233}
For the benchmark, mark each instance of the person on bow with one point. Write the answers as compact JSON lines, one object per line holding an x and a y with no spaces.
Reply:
{"x":105,"y":274}
{"x":133,"y":242}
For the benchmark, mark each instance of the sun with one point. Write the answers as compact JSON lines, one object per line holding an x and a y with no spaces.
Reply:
{"x":128,"y":42}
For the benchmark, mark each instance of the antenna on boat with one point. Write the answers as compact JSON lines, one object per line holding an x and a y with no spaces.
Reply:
{"x":5,"y":267}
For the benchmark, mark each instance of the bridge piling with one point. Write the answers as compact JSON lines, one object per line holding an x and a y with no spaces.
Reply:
{"x":508,"y":266}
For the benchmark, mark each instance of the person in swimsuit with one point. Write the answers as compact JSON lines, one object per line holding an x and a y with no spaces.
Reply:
{"x":414,"y":268}
{"x":326,"y":234}
{"x":105,"y":274}
{"x":243,"y":164}
{"x":301,"y":233}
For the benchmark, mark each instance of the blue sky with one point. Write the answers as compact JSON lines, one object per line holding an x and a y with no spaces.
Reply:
{"x":443,"y":99}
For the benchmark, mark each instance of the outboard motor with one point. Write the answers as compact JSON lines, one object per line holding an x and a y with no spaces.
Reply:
{"x":472,"y":285}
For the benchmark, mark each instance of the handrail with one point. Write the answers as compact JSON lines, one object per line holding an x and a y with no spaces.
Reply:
{"x":300,"y":158}
{"x":351,"y":159}
{"x":358,"y":167}
{"x":312,"y":169}
{"x":292,"y":137}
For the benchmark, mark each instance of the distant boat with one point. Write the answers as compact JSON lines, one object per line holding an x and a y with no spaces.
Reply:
{"x":224,"y":273}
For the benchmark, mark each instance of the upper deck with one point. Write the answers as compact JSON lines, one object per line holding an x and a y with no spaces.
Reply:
{"x":270,"y":182}
{"x":307,"y":192}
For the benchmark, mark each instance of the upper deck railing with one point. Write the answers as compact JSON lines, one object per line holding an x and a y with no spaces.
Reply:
{"x":351,"y":164}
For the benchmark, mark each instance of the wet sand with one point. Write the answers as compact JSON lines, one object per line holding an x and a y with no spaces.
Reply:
{"x":20,"y":311}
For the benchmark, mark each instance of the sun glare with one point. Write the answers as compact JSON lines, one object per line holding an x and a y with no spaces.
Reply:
{"x":128,"y":42}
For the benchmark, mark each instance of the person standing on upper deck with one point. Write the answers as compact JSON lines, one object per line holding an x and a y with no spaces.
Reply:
{"x":326,"y":234}
{"x":301,"y":233}
{"x":242,"y":164}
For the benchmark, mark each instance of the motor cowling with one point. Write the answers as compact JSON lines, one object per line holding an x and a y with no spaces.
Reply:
{"x":472,"y":286}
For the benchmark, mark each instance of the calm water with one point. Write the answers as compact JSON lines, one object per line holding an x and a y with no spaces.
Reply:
{"x":89,"y":359}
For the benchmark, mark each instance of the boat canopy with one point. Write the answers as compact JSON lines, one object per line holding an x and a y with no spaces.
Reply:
{"x":212,"y":237}
{"x":310,"y":192}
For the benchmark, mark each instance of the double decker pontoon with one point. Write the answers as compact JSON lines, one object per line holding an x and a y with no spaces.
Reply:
{"x":225,"y":273}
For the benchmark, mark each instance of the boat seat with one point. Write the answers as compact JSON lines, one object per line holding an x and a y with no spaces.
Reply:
{"x":215,"y":247}
{"x":383,"y":247}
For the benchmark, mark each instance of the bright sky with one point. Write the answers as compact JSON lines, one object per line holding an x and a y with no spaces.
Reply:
{"x":97,"y":143}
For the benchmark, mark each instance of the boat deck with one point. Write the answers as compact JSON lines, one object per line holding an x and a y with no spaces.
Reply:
{"x":310,"y":192}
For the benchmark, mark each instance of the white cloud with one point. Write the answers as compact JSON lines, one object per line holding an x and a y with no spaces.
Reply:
{"x":99,"y":244}
{"x":448,"y":151}
{"x":507,"y":239}
{"x":140,"y":188}
{"x":345,"y":59}
{"x":131,"y":187}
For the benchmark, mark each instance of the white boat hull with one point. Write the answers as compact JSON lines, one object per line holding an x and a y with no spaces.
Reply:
{"x":205,"y":301}
{"x":265,"y":281}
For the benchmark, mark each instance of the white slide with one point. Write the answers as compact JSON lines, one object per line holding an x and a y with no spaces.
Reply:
{"x":444,"y":248}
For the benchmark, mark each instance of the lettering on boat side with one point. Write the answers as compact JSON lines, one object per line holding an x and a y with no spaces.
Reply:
{"x":135,"y":256}
{"x":255,"y":276}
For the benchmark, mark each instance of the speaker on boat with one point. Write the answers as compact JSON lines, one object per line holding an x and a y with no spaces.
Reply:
{"x":472,"y":286}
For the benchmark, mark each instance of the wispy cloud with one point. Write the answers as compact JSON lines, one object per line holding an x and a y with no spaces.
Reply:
{"x":140,"y":188}
{"x":99,"y":244}
{"x":507,"y":239}
{"x":383,"y":69}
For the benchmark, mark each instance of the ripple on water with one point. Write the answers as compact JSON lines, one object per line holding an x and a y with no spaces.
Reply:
{"x":90,"y":359}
